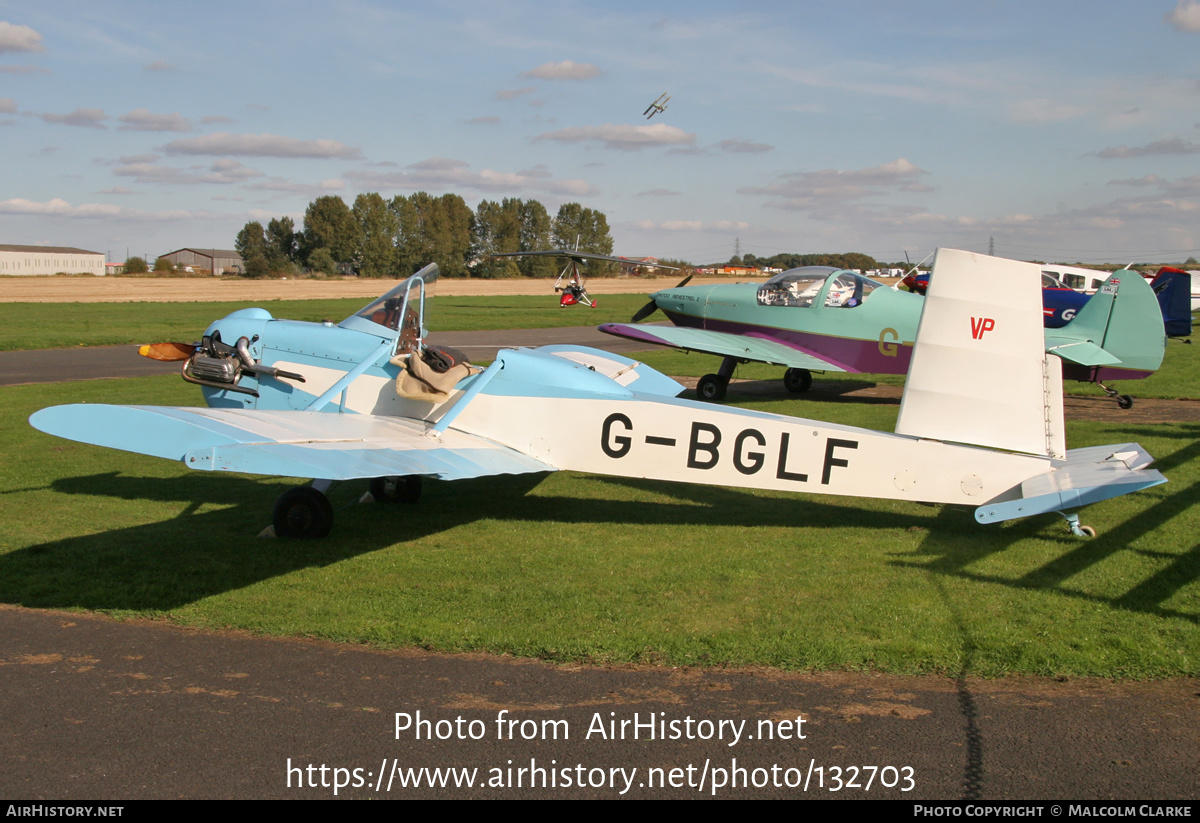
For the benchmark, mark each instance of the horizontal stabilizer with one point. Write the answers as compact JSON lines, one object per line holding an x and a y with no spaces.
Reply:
{"x":1086,"y":476}
{"x":1083,"y":352}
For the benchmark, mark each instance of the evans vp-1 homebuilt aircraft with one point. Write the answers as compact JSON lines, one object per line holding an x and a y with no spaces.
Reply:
{"x":981,"y":421}
{"x":819,"y":318}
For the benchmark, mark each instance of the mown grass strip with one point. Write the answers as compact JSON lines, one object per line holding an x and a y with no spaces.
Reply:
{"x":26,"y":326}
{"x":582,"y":568}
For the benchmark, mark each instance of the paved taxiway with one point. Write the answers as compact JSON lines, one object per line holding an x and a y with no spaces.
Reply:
{"x":57,"y":365}
{"x":101,"y":709}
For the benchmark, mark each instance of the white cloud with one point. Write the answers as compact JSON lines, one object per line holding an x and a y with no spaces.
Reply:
{"x":693,"y":225}
{"x":1185,"y":16}
{"x":87,"y":118}
{"x":19,"y":38}
{"x":105,"y":211}
{"x":159,"y":65}
{"x":282,"y":186}
{"x":1044,"y":110}
{"x":446,"y":174}
{"x":509,"y":94}
{"x":222,"y":172}
{"x":118,"y":190}
{"x":566,"y":70}
{"x":1169,"y":145}
{"x":146,"y":120}
{"x":262,"y":145}
{"x":24,"y":69}
{"x":1148,"y":180}
{"x":8,"y":105}
{"x":622,"y":136}
{"x":816,"y":190}
{"x":658,"y":193}
{"x":738,"y":145}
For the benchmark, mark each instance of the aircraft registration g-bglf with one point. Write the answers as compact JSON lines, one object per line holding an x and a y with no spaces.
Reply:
{"x":820,"y":318}
{"x":981,"y":421}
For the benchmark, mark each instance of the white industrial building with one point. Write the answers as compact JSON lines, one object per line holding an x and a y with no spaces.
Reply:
{"x":33,"y":260}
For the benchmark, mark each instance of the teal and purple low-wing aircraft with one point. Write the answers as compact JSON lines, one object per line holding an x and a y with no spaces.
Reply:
{"x":822,"y":319}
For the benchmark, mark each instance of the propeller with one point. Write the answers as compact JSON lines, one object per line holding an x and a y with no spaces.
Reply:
{"x":168,"y":351}
{"x":651,"y":307}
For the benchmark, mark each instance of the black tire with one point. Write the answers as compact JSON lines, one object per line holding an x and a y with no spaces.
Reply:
{"x":712,"y":388}
{"x":406,"y":489}
{"x":303,"y":513}
{"x":1087,"y":531}
{"x":797,"y":380}
{"x":1125,"y":402}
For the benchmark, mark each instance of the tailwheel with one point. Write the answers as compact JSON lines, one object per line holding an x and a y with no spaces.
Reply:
{"x":712,"y":387}
{"x":406,"y":489}
{"x":303,"y":513}
{"x":797,"y":380}
{"x":1124,"y":401}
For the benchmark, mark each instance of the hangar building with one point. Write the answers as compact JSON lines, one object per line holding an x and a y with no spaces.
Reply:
{"x":218,"y":261}
{"x":31,"y":260}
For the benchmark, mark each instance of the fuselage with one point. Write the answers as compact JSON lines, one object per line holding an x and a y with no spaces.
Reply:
{"x":836,"y":315}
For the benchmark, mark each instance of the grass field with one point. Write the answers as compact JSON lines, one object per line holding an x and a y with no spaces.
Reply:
{"x":65,"y":325}
{"x":573,"y":567}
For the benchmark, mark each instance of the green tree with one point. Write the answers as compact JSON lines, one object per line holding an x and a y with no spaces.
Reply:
{"x":282,"y":244}
{"x":587,"y":227}
{"x":321,"y":260}
{"x":163,"y":264}
{"x":136,"y":265}
{"x":497,"y":231}
{"x":536,"y":235}
{"x":377,"y":230}
{"x":453,"y":238}
{"x":433,"y":230}
{"x":329,"y":224}
{"x":251,"y":245}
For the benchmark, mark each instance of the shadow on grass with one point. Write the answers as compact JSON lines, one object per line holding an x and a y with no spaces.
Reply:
{"x":954,"y":558}
{"x":202,"y":552}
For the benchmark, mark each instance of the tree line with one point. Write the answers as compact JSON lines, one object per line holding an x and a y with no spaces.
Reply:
{"x":393,"y":238}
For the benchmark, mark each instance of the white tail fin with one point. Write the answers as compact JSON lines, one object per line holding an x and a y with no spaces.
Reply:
{"x":979,"y":372}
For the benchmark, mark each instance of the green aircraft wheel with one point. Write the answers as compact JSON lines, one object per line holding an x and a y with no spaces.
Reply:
{"x":797,"y":380}
{"x":303,"y":513}
{"x":712,"y":388}
{"x":1125,"y":402}
{"x":406,"y":489}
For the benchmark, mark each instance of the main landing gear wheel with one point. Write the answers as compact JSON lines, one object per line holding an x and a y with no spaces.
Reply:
{"x":303,"y":513}
{"x":1124,"y":401}
{"x":406,"y":489}
{"x":797,"y":380}
{"x":712,"y":387}
{"x":1076,"y":527}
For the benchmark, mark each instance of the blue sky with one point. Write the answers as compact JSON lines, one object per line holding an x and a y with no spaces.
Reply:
{"x":1065,"y":130}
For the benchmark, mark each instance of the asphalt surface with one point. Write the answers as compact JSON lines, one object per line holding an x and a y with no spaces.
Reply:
{"x":95,"y":708}
{"x":99,"y":709}
{"x":58,"y":365}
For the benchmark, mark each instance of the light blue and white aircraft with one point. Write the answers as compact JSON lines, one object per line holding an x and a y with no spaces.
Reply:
{"x":364,"y":399}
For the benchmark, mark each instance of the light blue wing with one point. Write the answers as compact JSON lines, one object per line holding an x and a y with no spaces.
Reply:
{"x":286,"y":443}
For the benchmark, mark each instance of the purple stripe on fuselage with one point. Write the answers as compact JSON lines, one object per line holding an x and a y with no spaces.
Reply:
{"x":851,"y":354}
